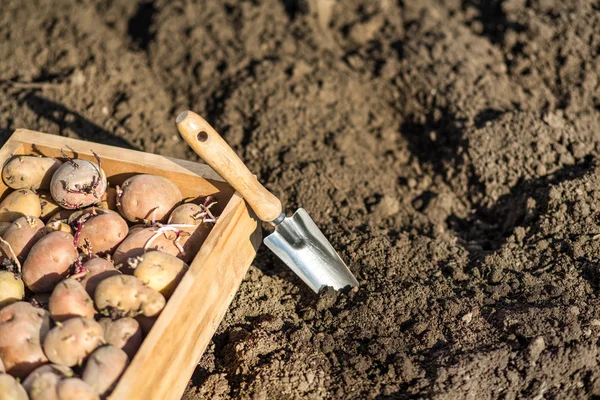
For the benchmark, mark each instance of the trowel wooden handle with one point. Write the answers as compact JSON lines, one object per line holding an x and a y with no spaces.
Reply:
{"x":209,"y":145}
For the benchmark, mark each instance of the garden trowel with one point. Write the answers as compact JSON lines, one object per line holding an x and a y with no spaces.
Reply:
{"x":296,"y":240}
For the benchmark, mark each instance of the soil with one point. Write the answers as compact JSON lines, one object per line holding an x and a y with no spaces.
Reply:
{"x":448,"y":150}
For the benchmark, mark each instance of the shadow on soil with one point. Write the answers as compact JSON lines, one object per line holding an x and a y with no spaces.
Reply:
{"x":488,"y":228}
{"x":67,"y":119}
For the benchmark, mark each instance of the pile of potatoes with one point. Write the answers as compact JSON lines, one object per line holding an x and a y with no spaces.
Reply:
{"x":85,"y":271}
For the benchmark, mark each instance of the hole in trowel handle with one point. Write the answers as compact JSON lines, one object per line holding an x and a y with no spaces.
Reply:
{"x":202,"y":136}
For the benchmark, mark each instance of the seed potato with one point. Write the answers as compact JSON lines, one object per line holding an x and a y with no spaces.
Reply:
{"x":22,"y":329}
{"x":70,"y":342}
{"x":160,"y":271}
{"x":127,"y":295}
{"x":29,"y":172}
{"x":147,"y":197}
{"x":104,"y":368}
{"x":49,"y":261}
{"x":124,"y":333}
{"x":77,"y":184}
{"x":69,"y":299}
{"x":21,"y":236}
{"x":11,"y":288}
{"x":19,"y":203}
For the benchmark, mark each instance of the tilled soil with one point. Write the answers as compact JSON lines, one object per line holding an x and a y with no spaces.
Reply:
{"x":448,"y":149}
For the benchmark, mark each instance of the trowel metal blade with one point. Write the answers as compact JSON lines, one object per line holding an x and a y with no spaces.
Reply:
{"x":300,"y":244}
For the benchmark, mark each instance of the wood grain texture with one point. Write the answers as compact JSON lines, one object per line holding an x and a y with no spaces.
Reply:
{"x":209,"y":145}
{"x":169,"y":354}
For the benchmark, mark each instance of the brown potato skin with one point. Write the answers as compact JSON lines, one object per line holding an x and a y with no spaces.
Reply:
{"x":72,"y":341}
{"x":22,"y":235}
{"x":49,"y":261}
{"x":98,"y":270}
{"x":75,"y":389}
{"x":4,"y":227}
{"x":160,"y":271}
{"x":19,"y":203}
{"x":69,"y":299}
{"x":124,"y":333}
{"x":184,"y":214}
{"x":29,"y":172}
{"x":129,"y":295}
{"x":104,"y":368}
{"x":67,"y":177}
{"x":133,"y":245}
{"x":104,"y":231}
{"x":141,"y":194}
{"x":11,"y":288}
{"x":10,"y":389}
{"x":22,"y":329}
{"x":42,"y":383}
{"x":49,"y":206}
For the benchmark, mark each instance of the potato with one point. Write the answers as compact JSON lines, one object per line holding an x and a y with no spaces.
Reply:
{"x":61,"y":215}
{"x":2,"y":369}
{"x":21,"y":236}
{"x":147,"y":197}
{"x":11,"y":389}
{"x":72,"y":341}
{"x":22,"y":328}
{"x":136,"y":228}
{"x":29,"y":172}
{"x":58,"y":226}
{"x":69,"y":299}
{"x":102,"y":231}
{"x":42,"y":384}
{"x":4,"y":227}
{"x":75,"y":389}
{"x":124,"y":333}
{"x":98,"y":270}
{"x":20,"y":203}
{"x":104,"y":368}
{"x":77,"y":184}
{"x":49,"y":261}
{"x":49,"y":206}
{"x":185,"y":213}
{"x":160,"y":271}
{"x":11,"y":288}
{"x":109,"y":199}
{"x":191,"y":238}
{"x":126,"y":295}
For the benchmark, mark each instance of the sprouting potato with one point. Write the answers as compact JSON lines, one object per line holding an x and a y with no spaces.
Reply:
{"x":42,"y":383}
{"x":71,"y":341}
{"x":59,"y":221}
{"x":58,"y":226}
{"x":124,"y":333}
{"x":160,"y":271}
{"x":22,"y":328}
{"x":102,"y":230}
{"x":164,"y":239}
{"x":75,"y":389}
{"x":49,"y":206}
{"x":104,"y":367}
{"x":186,"y":214}
{"x":97,"y":269}
{"x":136,"y":228}
{"x":77,"y":184}
{"x":126,"y":295}
{"x":49,"y":261}
{"x":11,"y":389}
{"x":56,"y":382}
{"x":61,"y":215}
{"x":147,"y":197}
{"x":21,"y":236}
{"x":11,"y":288}
{"x":29,"y":172}
{"x":19,"y":203}
{"x":69,"y":299}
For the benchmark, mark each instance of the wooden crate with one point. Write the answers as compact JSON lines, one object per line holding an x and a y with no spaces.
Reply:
{"x":169,"y":354}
